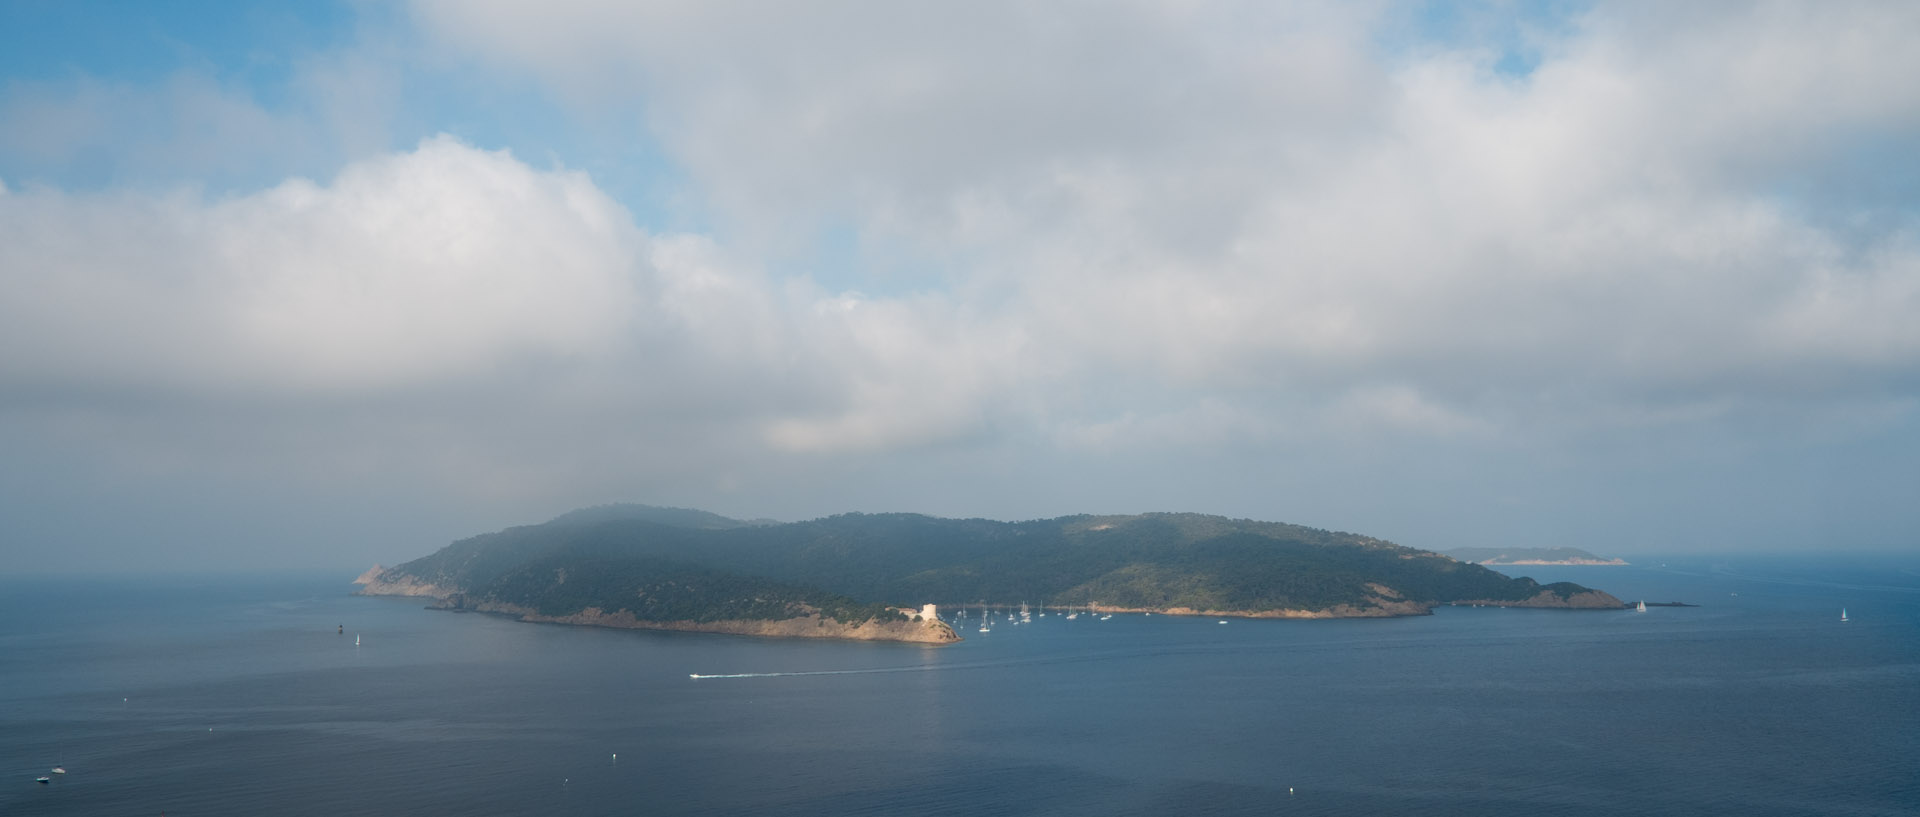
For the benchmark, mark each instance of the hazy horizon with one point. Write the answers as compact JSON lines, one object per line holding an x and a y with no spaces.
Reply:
{"x":342,"y":282}
{"x":1866,"y":556}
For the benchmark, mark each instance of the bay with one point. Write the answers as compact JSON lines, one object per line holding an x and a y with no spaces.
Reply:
{"x":239,"y":695}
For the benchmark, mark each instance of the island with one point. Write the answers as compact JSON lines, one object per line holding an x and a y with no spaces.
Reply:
{"x":1531,"y":556}
{"x":886,"y":576}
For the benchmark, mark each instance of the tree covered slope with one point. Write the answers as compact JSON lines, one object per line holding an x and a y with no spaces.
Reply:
{"x":673,"y":564}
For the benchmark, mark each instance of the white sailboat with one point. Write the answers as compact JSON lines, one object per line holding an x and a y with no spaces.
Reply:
{"x":1843,"y":614}
{"x":1640,"y":608}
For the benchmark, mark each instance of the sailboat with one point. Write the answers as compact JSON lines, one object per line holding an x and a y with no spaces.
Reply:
{"x":1640,"y":608}
{"x":356,"y":639}
{"x":1843,"y":614}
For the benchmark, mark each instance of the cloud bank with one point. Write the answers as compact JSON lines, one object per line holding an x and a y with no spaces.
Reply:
{"x":1241,"y":258}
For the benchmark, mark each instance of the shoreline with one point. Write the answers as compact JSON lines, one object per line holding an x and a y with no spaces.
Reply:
{"x":904,"y":631}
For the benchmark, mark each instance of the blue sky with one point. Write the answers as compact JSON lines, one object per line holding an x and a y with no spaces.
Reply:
{"x":322,"y":284}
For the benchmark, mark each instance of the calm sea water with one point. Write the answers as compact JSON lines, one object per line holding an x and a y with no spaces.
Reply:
{"x":237,"y":696}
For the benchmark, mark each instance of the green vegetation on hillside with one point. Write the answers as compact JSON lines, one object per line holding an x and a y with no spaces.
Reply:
{"x":679,"y":565}
{"x":664,"y":590}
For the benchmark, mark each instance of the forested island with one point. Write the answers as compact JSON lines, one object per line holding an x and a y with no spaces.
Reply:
{"x":867,"y":576}
{"x":1531,"y":556}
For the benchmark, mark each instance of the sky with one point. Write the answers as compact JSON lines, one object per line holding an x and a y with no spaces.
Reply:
{"x":319,"y":284}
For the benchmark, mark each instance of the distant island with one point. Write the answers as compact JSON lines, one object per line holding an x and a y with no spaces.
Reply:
{"x":1530,"y":556}
{"x":886,"y":576}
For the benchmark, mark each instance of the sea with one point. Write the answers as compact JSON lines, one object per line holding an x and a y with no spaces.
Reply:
{"x":287,"y":695}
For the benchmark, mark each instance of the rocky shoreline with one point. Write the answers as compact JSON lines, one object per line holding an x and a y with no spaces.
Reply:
{"x":381,"y":581}
{"x":1389,"y":608}
{"x":939,"y":632}
{"x":811,"y":626}
{"x":1384,"y":602}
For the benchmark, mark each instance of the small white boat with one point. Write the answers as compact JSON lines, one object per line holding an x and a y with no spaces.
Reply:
{"x":59,"y":770}
{"x":1640,"y":608}
{"x":43,"y":780}
{"x":1843,"y":614}
{"x":1223,"y":621}
{"x":356,"y":639}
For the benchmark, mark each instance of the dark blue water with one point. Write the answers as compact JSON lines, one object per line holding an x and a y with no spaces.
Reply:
{"x":236,"y":696}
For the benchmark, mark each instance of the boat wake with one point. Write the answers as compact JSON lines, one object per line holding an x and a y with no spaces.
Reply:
{"x":875,"y":671}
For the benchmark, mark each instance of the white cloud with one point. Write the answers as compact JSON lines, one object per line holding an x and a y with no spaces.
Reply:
{"x":1215,"y":206}
{"x":442,"y":263}
{"x":902,"y":373}
{"x":453,"y":314}
{"x":1247,"y":203}
{"x":1191,"y":241}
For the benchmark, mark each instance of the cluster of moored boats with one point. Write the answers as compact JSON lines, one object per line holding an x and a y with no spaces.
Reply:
{"x":1025,"y":616}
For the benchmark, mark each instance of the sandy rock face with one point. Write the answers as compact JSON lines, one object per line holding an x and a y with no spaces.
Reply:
{"x":381,"y":581}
